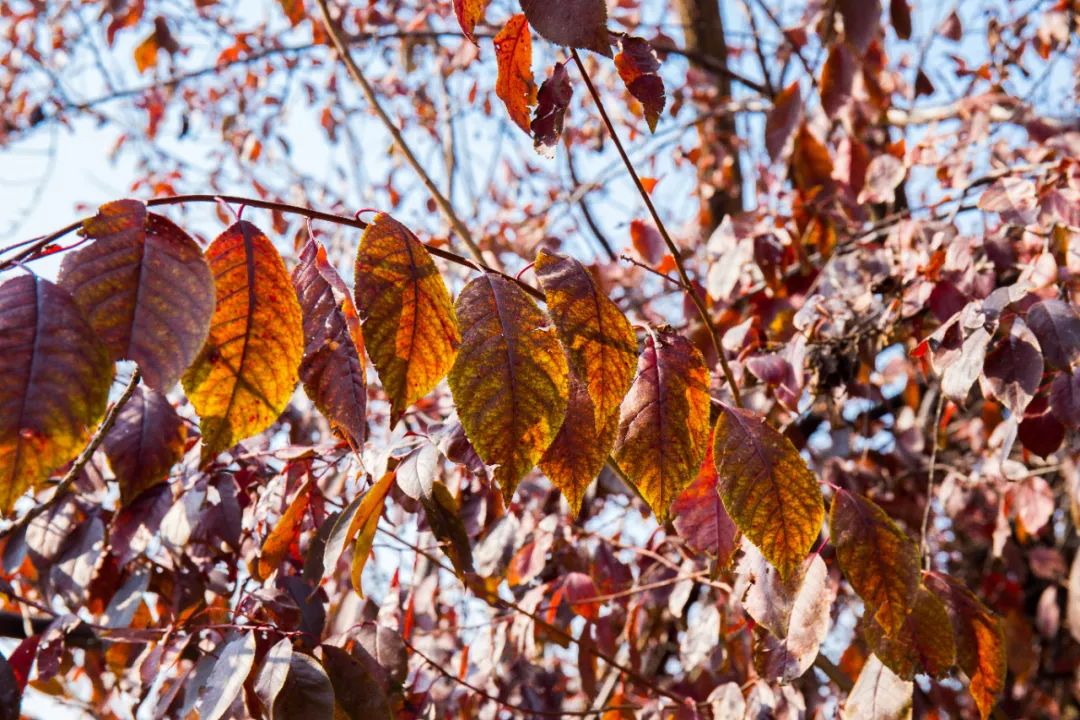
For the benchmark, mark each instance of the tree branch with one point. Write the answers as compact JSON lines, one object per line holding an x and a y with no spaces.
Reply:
{"x":672,"y":248}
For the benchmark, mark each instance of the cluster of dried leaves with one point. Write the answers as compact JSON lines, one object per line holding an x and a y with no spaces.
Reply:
{"x":850,"y":433}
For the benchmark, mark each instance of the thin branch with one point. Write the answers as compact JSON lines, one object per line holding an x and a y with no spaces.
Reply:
{"x":585,"y":212}
{"x":924,"y":548}
{"x":672,"y":248}
{"x":357,"y":74}
{"x":76,"y":468}
{"x":32,"y":248}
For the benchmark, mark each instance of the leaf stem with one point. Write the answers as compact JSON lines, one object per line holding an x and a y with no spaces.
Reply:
{"x":672,"y":248}
{"x":357,"y":74}
{"x":924,"y":548}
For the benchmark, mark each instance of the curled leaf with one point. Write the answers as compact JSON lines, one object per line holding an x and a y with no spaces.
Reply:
{"x":247,"y":370}
{"x":514,"y":84}
{"x":410,"y":330}
{"x":54,"y":382}
{"x":333,"y":369}
{"x":664,"y":419}
{"x":145,"y":288}
{"x":509,"y":380}
{"x":552,"y":102}
{"x":638,"y":67}
{"x":771,"y":494}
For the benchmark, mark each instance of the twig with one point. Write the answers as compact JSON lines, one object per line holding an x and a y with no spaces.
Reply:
{"x":924,"y":549}
{"x":391,"y":127}
{"x":672,"y":248}
{"x":585,"y":212}
{"x":88,"y":452}
{"x":33,"y":247}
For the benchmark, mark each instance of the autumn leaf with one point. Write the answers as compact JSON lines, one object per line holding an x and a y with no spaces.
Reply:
{"x":700,"y":517}
{"x":879,"y":694}
{"x":811,"y":164}
{"x":647,"y":242}
{"x":598,"y":338}
{"x":514,"y":84}
{"x":861,"y":20}
{"x":580,"y":449}
{"x":410,"y":329}
{"x":247,"y":370}
{"x":333,"y":369}
{"x":366,"y":522}
{"x":837,"y":77}
{"x":358,"y":695}
{"x":294,"y":10}
{"x":573,"y":23}
{"x":638,"y":67}
{"x":469,"y":13}
{"x":161,"y":38}
{"x":145,"y":288}
{"x":664,"y":419}
{"x":877,"y":557}
{"x":147,"y":439}
{"x":923,"y":645}
{"x":234,"y":660}
{"x":54,"y":382}
{"x":781,"y":119}
{"x":509,"y":381}
{"x":276,"y":545}
{"x":1056,"y":324}
{"x":766,"y":487}
{"x":1013,"y":369}
{"x":980,"y":640}
{"x":552,"y":103}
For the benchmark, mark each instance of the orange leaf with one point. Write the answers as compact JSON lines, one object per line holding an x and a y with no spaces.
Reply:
{"x":366,"y":521}
{"x":638,"y":65}
{"x":294,"y":10}
{"x":410,"y":329}
{"x":146,"y":441}
{"x":664,"y":420}
{"x":771,"y":495}
{"x":924,"y":644}
{"x":146,"y":53}
{"x":509,"y":380}
{"x":277,"y":543}
{"x":598,"y":338}
{"x":700,"y":517}
{"x":980,"y":640}
{"x":515,"y":85}
{"x":54,"y":382}
{"x":145,"y":287}
{"x":469,"y":13}
{"x":247,"y":370}
{"x":646,"y":241}
{"x":580,"y":449}
{"x":333,"y":368}
{"x":877,"y":557}
{"x":812,"y":165}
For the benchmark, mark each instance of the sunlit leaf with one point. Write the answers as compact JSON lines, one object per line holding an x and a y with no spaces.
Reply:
{"x":145,"y":288}
{"x":364,"y":524}
{"x":510,"y":378}
{"x":781,"y":119}
{"x":924,"y":643}
{"x":980,"y":640}
{"x":247,"y":370}
{"x":469,"y":13}
{"x":145,"y":442}
{"x":700,"y":517}
{"x":332,"y":370}
{"x":768,"y":490}
{"x":515,"y":85}
{"x":877,"y":557}
{"x":664,"y":419}
{"x":598,"y":338}
{"x":639,"y":67}
{"x":410,"y":329}
{"x":276,"y":545}
{"x":294,"y":10}
{"x":879,"y":694}
{"x":234,"y":660}
{"x":579,"y":450}
{"x":54,"y":382}
{"x":573,"y":23}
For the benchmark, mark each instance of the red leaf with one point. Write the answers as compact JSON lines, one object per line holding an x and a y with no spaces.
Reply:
{"x":647,"y":241}
{"x":579,"y":591}
{"x":781,"y":119}
{"x":638,"y":64}
{"x":1057,"y":326}
{"x":837,"y":76}
{"x":573,"y":23}
{"x":700,"y":518}
{"x":1065,"y":398}
{"x":861,"y":20}
{"x":147,"y":439}
{"x":469,"y":13}
{"x":900,"y":16}
{"x":1013,"y":369}
{"x":552,"y":102}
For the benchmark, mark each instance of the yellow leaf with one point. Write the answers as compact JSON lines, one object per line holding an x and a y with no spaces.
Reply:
{"x":767,"y":489}
{"x":664,"y":420}
{"x":247,"y":370}
{"x":277,"y":543}
{"x":409,"y":326}
{"x":509,"y":380}
{"x":515,"y":85}
{"x":366,"y":521}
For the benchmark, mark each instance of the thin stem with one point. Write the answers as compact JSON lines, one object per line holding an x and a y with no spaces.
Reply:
{"x":37,"y":244}
{"x":357,"y":74}
{"x":924,"y":548}
{"x":672,"y":248}
{"x":88,"y":452}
